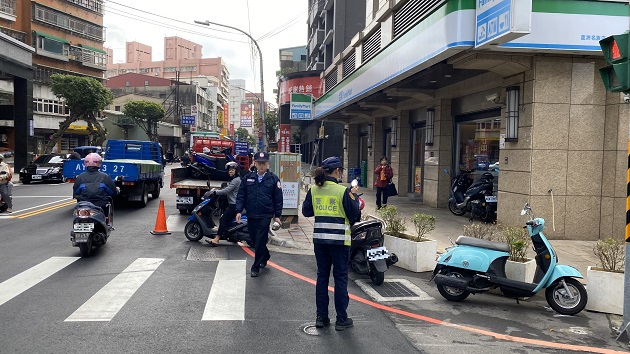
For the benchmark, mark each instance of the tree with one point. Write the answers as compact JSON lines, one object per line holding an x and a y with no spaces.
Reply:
{"x":243,"y":135}
{"x":84,"y":96}
{"x":146,"y":115}
{"x":271,"y":122}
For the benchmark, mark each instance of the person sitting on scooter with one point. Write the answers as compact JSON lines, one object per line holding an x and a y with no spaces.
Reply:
{"x":335,"y":208}
{"x":93,"y":185}
{"x":231,"y":191}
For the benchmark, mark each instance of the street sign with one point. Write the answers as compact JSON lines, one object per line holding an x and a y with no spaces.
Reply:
{"x":188,"y":120}
{"x":500,"y":21}
{"x":241,"y":148}
{"x":301,"y":106}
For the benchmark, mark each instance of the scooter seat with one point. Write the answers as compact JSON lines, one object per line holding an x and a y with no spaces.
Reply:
{"x":366,"y":224}
{"x":477,"y":242}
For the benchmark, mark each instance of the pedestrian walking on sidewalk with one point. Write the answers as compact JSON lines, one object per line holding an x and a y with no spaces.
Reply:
{"x":335,"y":208}
{"x":6,"y":184}
{"x":260,"y":194}
{"x":384,"y":175}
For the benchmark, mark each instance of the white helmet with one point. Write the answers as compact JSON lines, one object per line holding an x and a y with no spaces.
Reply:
{"x":232,"y":165}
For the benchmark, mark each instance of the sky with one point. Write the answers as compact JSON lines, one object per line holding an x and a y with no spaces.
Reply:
{"x":274,"y":24}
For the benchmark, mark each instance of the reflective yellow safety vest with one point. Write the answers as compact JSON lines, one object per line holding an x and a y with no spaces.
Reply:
{"x":331,"y":224}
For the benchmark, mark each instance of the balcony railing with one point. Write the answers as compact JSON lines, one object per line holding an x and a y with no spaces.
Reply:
{"x":69,"y":23}
{"x":92,"y":5}
{"x":88,"y":57}
{"x":8,"y":9}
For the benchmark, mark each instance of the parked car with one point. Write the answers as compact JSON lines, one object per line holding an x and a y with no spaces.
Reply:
{"x":6,"y":151}
{"x":45,"y":168}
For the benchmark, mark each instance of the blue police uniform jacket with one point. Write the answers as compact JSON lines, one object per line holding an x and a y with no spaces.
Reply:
{"x":94,"y":186}
{"x":260,"y":199}
{"x":332,"y":224}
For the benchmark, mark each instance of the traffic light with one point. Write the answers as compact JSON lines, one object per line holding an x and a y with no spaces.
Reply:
{"x":616,"y":75}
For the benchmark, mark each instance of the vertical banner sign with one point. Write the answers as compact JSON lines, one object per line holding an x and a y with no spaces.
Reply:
{"x":220,"y":119}
{"x":232,"y":129}
{"x":194,"y":112}
{"x":500,"y":21}
{"x":226,"y":116}
{"x":246,"y":115}
{"x":285,"y":138}
{"x":301,"y":107}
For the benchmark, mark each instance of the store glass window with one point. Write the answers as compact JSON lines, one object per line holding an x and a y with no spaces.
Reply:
{"x":478,"y":146}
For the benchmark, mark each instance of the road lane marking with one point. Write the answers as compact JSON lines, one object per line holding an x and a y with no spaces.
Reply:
{"x":176,"y":222}
{"x":416,"y":316}
{"x":106,"y":303}
{"x":229,"y":283}
{"x":40,"y":206}
{"x":41,"y":211}
{"x":13,"y":287}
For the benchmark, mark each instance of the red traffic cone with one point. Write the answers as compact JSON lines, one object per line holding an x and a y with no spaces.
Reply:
{"x":160,"y":221}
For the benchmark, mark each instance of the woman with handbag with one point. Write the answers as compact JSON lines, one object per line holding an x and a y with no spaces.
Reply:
{"x":383,"y":176}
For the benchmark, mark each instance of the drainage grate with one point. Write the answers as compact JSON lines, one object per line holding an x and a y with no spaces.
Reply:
{"x":207,"y":253}
{"x":393,"y":290}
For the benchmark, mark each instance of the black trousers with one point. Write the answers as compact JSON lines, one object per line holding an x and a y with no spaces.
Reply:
{"x":226,"y":219}
{"x":259,"y":233}
{"x":337,"y":257}
{"x":379,"y":191}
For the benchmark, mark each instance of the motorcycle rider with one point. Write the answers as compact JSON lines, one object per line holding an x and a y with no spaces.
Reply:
{"x":335,"y":208}
{"x":231,"y":191}
{"x":93,"y":185}
{"x":5,"y":184}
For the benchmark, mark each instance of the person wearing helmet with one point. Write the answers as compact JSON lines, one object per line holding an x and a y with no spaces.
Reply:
{"x":93,"y":185}
{"x":5,"y":184}
{"x":335,"y":208}
{"x":230,"y":191}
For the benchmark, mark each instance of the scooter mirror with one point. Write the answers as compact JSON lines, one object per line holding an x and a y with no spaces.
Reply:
{"x":354,"y":183}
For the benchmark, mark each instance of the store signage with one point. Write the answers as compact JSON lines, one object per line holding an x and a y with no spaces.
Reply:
{"x":285,"y":138}
{"x":301,"y":107}
{"x":246,"y":115}
{"x":312,"y":85}
{"x":500,"y":21}
{"x":188,"y":120}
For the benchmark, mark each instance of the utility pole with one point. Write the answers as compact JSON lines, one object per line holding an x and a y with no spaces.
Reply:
{"x":262,"y":82}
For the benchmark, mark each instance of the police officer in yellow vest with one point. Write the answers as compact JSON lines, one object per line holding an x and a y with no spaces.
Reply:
{"x":335,"y":208}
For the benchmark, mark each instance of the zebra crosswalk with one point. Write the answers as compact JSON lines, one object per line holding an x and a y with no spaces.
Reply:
{"x":229,"y":283}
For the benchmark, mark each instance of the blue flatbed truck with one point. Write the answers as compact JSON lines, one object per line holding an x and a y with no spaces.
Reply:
{"x":136,"y":166}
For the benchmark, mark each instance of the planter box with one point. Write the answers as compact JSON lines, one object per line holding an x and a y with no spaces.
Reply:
{"x":413,"y":256}
{"x":521,"y":271}
{"x":605,"y":291}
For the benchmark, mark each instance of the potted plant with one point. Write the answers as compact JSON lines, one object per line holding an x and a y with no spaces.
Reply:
{"x":518,"y":266}
{"x":415,"y":252}
{"x":604,"y":284}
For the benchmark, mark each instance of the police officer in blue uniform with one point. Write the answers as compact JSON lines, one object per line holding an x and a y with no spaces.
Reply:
{"x":335,"y":208}
{"x":260,"y":194}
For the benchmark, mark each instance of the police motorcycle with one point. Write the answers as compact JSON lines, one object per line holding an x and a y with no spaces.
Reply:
{"x":89,"y":227}
{"x":368,"y":255}
{"x":201,"y":223}
{"x":475,"y":197}
{"x":474,"y":265}
{"x":3,"y":204}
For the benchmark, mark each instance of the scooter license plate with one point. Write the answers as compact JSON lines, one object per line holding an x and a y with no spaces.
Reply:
{"x":491,"y":198}
{"x":374,"y":254}
{"x":184,"y":200}
{"x":83,"y":227}
{"x":81,"y":237}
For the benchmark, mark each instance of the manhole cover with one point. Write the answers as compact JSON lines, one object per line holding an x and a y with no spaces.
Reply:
{"x":206,"y":253}
{"x":311,"y":330}
{"x":393,"y":290}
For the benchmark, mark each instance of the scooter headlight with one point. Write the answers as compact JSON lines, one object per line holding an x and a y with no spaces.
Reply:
{"x":360,"y":236}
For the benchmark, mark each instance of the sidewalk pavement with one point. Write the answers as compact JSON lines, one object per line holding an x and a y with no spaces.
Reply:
{"x":578,"y":254}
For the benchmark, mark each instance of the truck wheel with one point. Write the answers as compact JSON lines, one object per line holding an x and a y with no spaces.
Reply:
{"x":145,"y":196}
{"x":156,"y":192}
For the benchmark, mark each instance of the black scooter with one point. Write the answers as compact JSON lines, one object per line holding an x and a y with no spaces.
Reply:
{"x":201,"y":224}
{"x":89,"y":227}
{"x":368,"y":255}
{"x":475,"y":197}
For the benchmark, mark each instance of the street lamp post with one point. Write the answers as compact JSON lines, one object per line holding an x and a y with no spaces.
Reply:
{"x":262,"y":82}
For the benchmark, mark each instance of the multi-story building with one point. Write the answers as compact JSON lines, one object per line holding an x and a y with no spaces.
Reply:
{"x":236,"y":98}
{"x":68,"y":37}
{"x":182,"y":60}
{"x":453,"y":85}
{"x":293,"y":59}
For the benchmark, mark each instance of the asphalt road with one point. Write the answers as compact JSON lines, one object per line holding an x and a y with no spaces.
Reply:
{"x":181,"y":305}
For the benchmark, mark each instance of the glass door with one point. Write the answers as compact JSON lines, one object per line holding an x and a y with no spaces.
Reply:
{"x":418,"y":161}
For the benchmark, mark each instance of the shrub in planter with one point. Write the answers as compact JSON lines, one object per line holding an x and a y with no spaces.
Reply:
{"x":423,"y":224}
{"x":605,"y":285}
{"x":394,"y":223}
{"x":519,"y":241}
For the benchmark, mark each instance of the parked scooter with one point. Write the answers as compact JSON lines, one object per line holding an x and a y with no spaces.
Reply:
{"x":475,"y":197}
{"x":201,"y":224}
{"x":89,"y":227}
{"x":368,"y":255}
{"x":474,"y":265}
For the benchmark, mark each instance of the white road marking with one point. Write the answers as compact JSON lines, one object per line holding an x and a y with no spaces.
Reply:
{"x":40,"y":196}
{"x":13,"y":287}
{"x":226,"y":301}
{"x":42,"y":205}
{"x":176,"y":222}
{"x":106,"y":303}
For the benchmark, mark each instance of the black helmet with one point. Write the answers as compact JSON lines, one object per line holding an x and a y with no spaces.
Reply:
{"x":487,"y":175}
{"x":332,"y":163}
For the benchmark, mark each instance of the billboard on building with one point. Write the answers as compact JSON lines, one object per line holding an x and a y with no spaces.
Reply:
{"x":312,"y":85}
{"x":246,"y":115}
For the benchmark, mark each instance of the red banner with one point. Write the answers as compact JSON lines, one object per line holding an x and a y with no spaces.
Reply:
{"x":226,"y":115}
{"x":308,"y":85}
{"x":284,"y":145}
{"x":232,"y":130}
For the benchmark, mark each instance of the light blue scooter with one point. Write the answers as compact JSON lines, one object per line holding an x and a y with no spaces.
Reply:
{"x":474,"y":265}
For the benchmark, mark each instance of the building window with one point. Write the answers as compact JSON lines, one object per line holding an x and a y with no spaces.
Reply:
{"x":93,"y":5}
{"x":126,"y":83}
{"x":53,"y":107}
{"x":52,"y":46}
{"x":146,"y":82}
{"x":69,"y":23}
{"x":478,"y":146}
{"x":170,"y":69}
{"x":117,"y":108}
